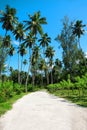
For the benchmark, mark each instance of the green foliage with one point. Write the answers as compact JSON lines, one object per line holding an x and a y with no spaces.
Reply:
{"x":17,"y":88}
{"x":60,"y":86}
{"x":4,"y":106}
{"x":81,"y":82}
{"x":75,"y":92}
{"x":30,"y":87}
{"x":8,"y":90}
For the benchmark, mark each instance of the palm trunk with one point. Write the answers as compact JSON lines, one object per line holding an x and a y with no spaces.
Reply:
{"x":18,"y":67}
{"x":0,"y":72}
{"x":79,"y":43}
{"x":26,"y":83}
{"x":27,"y":80}
{"x":21,"y":63}
{"x":21,"y":70}
{"x":42,"y":79}
{"x":47,"y":74}
{"x":33,"y":80}
{"x":51,"y":77}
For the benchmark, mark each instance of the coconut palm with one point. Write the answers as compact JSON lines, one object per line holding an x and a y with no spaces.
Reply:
{"x":22,"y":51}
{"x":6,"y":41}
{"x":49,"y":54}
{"x":10,"y":53}
{"x":11,"y":50}
{"x":24,"y":63}
{"x":57,"y":69}
{"x":34,"y":62}
{"x":6,"y":45}
{"x":34,"y":23}
{"x":58,"y":63}
{"x":3,"y":54}
{"x":29,"y":42}
{"x":44,"y":41}
{"x":8,"y":18}
{"x":78,"y":30}
{"x":19,"y":33}
{"x":42,"y":67}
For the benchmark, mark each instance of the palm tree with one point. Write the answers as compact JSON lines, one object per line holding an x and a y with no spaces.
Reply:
{"x":34,"y":62}
{"x":8,"y":18}
{"x":10,"y":53}
{"x":6,"y":45}
{"x":42,"y":67}
{"x":3,"y":54}
{"x":49,"y":54}
{"x":44,"y":41}
{"x":19,"y":33}
{"x":29,"y":42}
{"x":78,"y":30}
{"x":22,"y":51}
{"x":6,"y":41}
{"x":58,"y":63}
{"x":57,"y":69}
{"x":11,"y":50}
{"x":34,"y":23}
{"x":25,"y":63}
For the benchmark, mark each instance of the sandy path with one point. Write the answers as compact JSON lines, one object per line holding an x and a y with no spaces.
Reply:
{"x":42,"y":111}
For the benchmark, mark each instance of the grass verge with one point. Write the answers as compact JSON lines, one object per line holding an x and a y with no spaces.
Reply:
{"x":73,"y":96}
{"x":5,"y":106}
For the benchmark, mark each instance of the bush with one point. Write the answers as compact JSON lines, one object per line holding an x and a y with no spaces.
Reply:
{"x":6,"y":90}
{"x":30,"y":89}
{"x":54,"y":87}
{"x":17,"y":88}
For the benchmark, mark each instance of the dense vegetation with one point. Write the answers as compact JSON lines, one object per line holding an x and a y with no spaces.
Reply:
{"x":65,"y":77}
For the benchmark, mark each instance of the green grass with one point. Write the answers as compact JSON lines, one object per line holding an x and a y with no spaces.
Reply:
{"x":73,"y":96}
{"x":5,"y":106}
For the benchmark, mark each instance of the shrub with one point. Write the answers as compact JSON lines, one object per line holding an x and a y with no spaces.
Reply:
{"x":17,"y":88}
{"x":6,"y":90}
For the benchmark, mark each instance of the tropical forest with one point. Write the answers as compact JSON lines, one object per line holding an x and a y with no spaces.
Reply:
{"x":37,"y":65}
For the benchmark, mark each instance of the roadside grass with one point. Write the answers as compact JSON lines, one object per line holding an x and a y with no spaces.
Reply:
{"x":73,"y":96}
{"x":5,"y":106}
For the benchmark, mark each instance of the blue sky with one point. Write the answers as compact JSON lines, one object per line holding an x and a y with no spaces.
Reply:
{"x":54,"y":11}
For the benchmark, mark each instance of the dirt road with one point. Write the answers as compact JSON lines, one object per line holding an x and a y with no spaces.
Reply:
{"x":42,"y":111}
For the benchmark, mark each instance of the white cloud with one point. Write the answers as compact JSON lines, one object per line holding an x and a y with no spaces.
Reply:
{"x":5,"y":65}
{"x":85,"y":54}
{"x":16,"y":43}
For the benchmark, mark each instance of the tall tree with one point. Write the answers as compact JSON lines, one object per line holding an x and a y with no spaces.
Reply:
{"x":49,"y":54}
{"x":68,"y":43}
{"x":8,"y":18}
{"x":22,"y":51}
{"x":29,"y":42}
{"x":34,"y":23}
{"x":7,"y":41}
{"x":34,"y":62}
{"x":78,"y":30}
{"x":42,"y":67}
{"x":57,"y":70}
{"x":19,"y":33}
{"x":44,"y":41}
{"x":24,"y":63}
{"x":10,"y":53}
{"x":3,"y":56}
